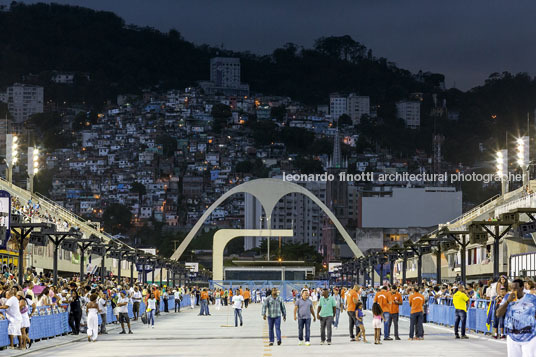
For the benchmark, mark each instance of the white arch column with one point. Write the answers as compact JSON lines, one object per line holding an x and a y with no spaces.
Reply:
{"x":224,"y":236}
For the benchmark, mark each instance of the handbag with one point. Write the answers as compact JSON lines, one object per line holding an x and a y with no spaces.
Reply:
{"x":144,"y":318}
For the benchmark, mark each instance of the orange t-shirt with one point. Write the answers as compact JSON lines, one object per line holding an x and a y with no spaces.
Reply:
{"x":230,"y":293}
{"x":204,"y":295}
{"x":352,"y":294}
{"x":384,"y":300}
{"x":241,"y":292}
{"x":246,"y":294}
{"x":395,"y":307}
{"x":416,"y":301}
{"x":157,"y":294}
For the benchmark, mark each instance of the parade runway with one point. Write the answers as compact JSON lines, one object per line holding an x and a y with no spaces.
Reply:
{"x":187,"y":334}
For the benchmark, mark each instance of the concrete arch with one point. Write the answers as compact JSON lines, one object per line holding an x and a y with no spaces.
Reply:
{"x":224,"y":236}
{"x":268,"y":191}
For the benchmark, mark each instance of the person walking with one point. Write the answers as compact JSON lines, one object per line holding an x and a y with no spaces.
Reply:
{"x":75,"y":312}
{"x":218,"y":299}
{"x":238,"y":303}
{"x":165,"y":298}
{"x":377,"y":316}
{"x":383,"y":298}
{"x":204,"y":303}
{"x":25,"y":325}
{"x":327,"y":307}
{"x":396,"y":301}
{"x":92,"y":310}
{"x":416,"y":302}
{"x":157,"y":295}
{"x":12,"y":307}
{"x":314,"y":298}
{"x":352,"y":298}
{"x":303,"y":309}
{"x":136,"y":300}
{"x":151,"y":307}
{"x":359,"y":316}
{"x":178,"y":298}
{"x":122,"y":308}
{"x":273,"y":309}
{"x":192,"y":299}
{"x":519,"y":312}
{"x":459,"y":300}
{"x":247,"y":297}
{"x":338,"y":301}
{"x":102,"y":302}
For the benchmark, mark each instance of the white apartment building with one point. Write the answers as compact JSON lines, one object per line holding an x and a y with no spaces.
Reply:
{"x":358,"y":105}
{"x":338,"y":105}
{"x":24,"y":100}
{"x":410,"y":112}
{"x":225,"y":78}
{"x":225,"y":72}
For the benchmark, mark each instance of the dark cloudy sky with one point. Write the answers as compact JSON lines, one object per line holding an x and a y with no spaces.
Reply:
{"x":466,"y":40}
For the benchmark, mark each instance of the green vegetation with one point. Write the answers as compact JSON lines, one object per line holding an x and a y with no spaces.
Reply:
{"x":116,"y":218}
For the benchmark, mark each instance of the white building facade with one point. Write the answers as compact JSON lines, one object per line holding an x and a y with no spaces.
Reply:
{"x":357,"y":106}
{"x":24,"y":100}
{"x":410,"y":112}
{"x":337,"y":105}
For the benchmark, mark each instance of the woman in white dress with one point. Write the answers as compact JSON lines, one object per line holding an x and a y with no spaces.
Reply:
{"x":192,"y":298}
{"x":93,"y":311}
{"x":24,"y":311}
{"x":218,"y":299}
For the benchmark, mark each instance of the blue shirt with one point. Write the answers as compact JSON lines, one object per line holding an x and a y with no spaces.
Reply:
{"x":520,"y":320}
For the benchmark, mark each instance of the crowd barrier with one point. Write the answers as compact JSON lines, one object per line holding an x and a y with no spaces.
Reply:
{"x":442,"y":312}
{"x":52,"y":324}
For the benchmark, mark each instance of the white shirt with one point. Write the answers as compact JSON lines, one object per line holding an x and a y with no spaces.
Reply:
{"x":151,"y":304}
{"x":136,"y":296}
{"x":123,"y":308}
{"x":102,"y":305}
{"x":13,"y":312}
{"x":43,"y":301}
{"x":177,"y":295}
{"x":492,"y":291}
{"x":237,"y":301}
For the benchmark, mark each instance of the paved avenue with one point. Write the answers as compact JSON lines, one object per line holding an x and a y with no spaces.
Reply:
{"x":189,"y":335}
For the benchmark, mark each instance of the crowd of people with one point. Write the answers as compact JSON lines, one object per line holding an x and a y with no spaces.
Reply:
{"x":510,"y":305}
{"x":84,"y":301}
{"x":511,"y":310}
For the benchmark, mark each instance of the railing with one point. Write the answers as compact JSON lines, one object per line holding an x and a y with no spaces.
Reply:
{"x":475,"y":212}
{"x":48,"y":324}
{"x":521,"y":202}
{"x":442,"y":312}
{"x":55,"y":210}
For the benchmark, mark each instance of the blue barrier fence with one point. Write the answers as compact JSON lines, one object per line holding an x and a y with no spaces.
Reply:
{"x":57,"y":324}
{"x":442,"y":312}
{"x":285,"y":287}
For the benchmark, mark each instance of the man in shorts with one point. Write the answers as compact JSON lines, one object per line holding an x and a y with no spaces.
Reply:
{"x":122,"y":308}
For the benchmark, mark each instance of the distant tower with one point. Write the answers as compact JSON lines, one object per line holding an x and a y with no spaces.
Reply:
{"x":436,"y":159}
{"x":336,"y":199}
